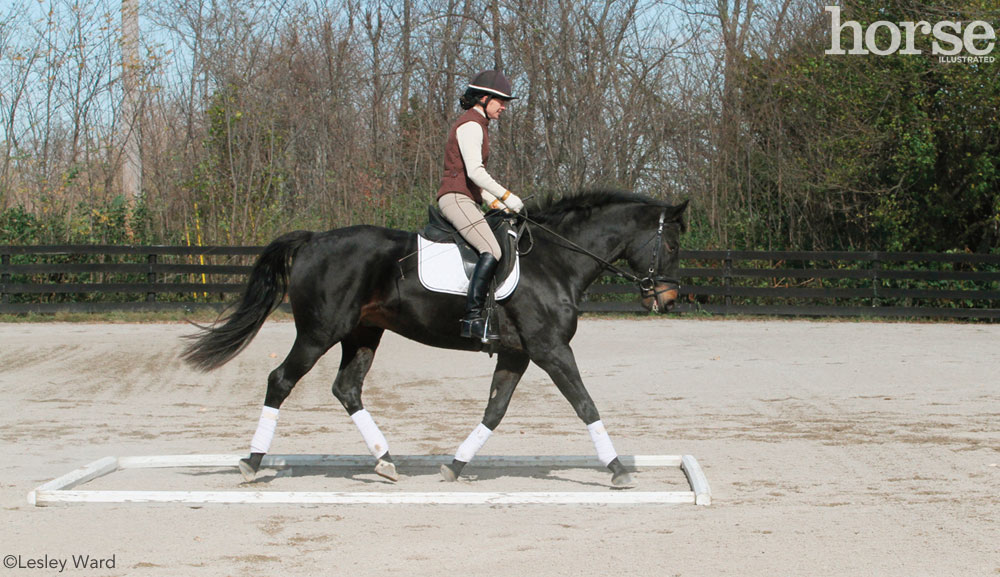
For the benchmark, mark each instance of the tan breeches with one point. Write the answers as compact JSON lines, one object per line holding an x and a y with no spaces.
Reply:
{"x":465,"y":215}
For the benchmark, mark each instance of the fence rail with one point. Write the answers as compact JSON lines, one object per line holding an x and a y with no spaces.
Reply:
{"x":94,"y":278}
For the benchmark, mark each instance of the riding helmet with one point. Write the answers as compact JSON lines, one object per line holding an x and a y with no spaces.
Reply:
{"x":493,"y":83}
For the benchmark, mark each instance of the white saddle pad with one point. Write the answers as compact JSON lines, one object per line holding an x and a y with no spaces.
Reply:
{"x":441,"y":270}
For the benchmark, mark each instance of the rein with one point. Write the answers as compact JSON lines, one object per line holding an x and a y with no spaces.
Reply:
{"x":646,"y":284}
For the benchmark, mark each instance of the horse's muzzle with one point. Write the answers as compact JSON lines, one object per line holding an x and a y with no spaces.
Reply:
{"x":661,"y":297}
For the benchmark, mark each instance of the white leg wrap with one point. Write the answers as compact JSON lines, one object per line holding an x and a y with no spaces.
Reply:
{"x":261,"y":441}
{"x":473,"y":443}
{"x":602,"y":442}
{"x":369,"y":430}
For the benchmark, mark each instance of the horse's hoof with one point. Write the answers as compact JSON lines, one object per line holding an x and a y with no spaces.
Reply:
{"x":448,"y":473}
{"x":247,"y":470}
{"x":623,"y":480}
{"x":387,"y":469}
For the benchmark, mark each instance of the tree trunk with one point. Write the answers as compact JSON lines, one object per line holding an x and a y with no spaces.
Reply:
{"x":131,"y":109}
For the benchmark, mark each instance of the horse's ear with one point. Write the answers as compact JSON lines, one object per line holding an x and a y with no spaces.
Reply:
{"x":678,"y":209}
{"x":676,"y":214}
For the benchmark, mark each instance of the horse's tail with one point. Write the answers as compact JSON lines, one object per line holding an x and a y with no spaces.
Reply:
{"x":218,"y":344}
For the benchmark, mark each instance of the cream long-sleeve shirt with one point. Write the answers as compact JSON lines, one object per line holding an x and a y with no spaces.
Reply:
{"x":470,"y":144}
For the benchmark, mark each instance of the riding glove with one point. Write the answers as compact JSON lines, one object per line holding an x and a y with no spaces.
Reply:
{"x":510,"y":201}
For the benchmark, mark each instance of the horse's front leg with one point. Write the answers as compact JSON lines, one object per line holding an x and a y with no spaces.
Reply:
{"x":510,"y":367}
{"x":559,"y":362}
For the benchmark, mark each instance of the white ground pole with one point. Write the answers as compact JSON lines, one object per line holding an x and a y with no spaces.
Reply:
{"x":61,"y":490}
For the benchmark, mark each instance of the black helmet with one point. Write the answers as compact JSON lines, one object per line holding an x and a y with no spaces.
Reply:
{"x":492,"y":83}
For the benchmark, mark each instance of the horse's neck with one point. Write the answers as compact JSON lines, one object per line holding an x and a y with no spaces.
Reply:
{"x":599,"y":238}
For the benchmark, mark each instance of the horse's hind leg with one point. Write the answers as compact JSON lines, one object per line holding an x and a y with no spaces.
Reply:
{"x":359,"y":352}
{"x":510,"y":367}
{"x":304,"y":354}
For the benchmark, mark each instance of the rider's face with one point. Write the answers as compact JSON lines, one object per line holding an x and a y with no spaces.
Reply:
{"x":495,"y":107}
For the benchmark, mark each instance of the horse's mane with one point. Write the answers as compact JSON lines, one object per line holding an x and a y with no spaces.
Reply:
{"x":554,"y":210}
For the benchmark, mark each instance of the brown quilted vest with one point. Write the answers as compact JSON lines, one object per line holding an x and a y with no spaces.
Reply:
{"x":455,"y":177}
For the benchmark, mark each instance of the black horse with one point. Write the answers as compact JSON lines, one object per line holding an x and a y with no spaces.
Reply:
{"x":349,"y":285}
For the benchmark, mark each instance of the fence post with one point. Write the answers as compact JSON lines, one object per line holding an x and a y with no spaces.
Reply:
{"x":151,"y":278}
{"x":727,"y":281}
{"x":876,"y":278}
{"x":4,"y":279}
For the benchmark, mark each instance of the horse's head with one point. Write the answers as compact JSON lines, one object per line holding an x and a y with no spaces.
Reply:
{"x":653,"y":254}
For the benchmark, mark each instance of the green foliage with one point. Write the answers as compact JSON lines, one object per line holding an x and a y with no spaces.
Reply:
{"x":894,"y":152}
{"x":18,"y":226}
{"x":111,"y":222}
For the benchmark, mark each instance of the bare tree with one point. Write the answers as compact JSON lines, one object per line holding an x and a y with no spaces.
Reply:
{"x":18,"y":63}
{"x":278,"y":113}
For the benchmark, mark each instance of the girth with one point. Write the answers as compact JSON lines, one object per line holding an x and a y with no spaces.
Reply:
{"x":439,"y":230}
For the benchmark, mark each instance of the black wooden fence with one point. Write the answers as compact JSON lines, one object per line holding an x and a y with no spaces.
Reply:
{"x":47,"y":279}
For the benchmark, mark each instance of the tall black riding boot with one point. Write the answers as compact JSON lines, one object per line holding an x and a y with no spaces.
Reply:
{"x":474,"y":325}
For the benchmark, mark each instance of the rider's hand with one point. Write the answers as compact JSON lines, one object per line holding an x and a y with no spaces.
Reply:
{"x":512,"y":201}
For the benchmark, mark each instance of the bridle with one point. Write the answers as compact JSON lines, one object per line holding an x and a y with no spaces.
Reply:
{"x":647,"y":284}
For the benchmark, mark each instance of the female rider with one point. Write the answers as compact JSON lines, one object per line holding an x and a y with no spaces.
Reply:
{"x":466,"y":185}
